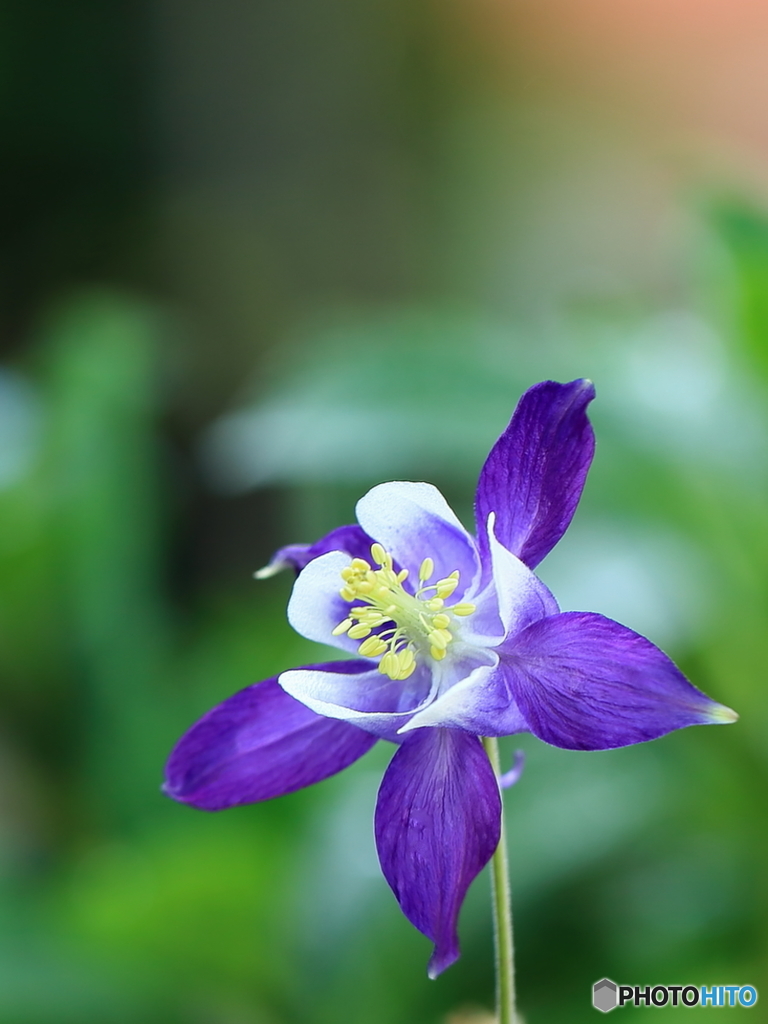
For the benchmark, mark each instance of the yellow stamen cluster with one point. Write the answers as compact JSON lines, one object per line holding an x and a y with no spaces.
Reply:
{"x":418,"y":620}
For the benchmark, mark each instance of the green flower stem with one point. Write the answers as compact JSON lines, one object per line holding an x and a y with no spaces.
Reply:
{"x":501,"y":897}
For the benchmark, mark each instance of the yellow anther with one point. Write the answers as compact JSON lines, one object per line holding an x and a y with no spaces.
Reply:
{"x":389,"y":664}
{"x":372,"y":618}
{"x":372,"y":647}
{"x":413,"y":623}
{"x":447,"y":586}
{"x":464,"y":608}
{"x":407,"y":663}
{"x":359,"y":631}
{"x":426,"y":569}
{"x":440,"y":638}
{"x":380,"y":556}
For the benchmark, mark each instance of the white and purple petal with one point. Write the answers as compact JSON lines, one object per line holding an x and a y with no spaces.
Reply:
{"x":535,"y":473}
{"x":413,"y":521}
{"x":519,"y":595}
{"x":258,"y":744}
{"x":366,"y":698}
{"x":472,"y":694}
{"x":587,"y":683}
{"x":316,"y":606}
{"x":437,"y":824}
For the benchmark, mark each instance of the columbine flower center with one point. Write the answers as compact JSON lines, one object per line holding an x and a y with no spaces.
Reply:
{"x":415,"y":622}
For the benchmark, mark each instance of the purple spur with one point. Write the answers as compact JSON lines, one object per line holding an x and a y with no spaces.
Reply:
{"x":453,"y":638}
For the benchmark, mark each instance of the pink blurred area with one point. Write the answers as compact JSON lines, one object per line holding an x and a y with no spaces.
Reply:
{"x":587,"y":134}
{"x":691,"y":72}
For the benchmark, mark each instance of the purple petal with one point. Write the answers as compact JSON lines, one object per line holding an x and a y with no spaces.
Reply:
{"x":352,"y":540}
{"x":535,"y":473}
{"x":473,"y":695}
{"x":258,"y":744}
{"x":413,"y":521}
{"x":438,"y":822}
{"x":365,"y":697}
{"x":587,"y":683}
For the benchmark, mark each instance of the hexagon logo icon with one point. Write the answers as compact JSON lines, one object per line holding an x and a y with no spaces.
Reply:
{"x":604,"y":996}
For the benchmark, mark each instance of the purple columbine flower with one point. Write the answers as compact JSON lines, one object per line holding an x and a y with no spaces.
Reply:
{"x":453,"y":638}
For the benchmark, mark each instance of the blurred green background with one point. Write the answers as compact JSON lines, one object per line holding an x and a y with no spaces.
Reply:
{"x":258,"y":256}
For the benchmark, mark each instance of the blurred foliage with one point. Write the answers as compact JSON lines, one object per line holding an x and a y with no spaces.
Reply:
{"x":158,"y":440}
{"x":744,"y":233}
